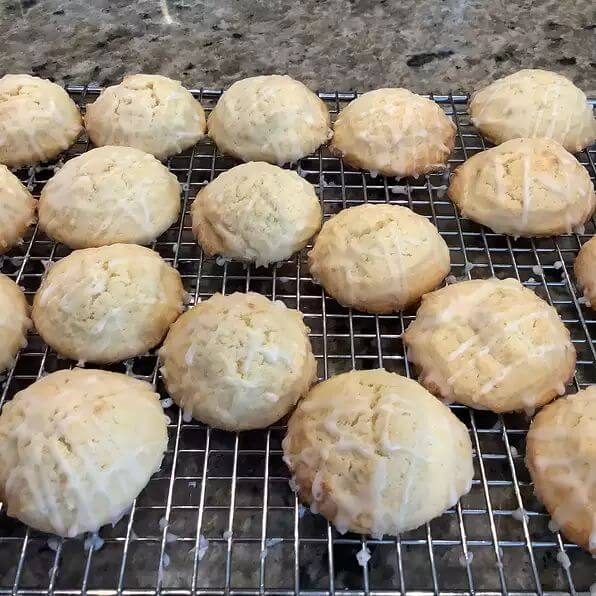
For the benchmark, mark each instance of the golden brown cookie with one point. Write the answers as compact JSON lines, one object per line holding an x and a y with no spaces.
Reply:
{"x":377,"y":454}
{"x":561,"y":457}
{"x":490,"y":344}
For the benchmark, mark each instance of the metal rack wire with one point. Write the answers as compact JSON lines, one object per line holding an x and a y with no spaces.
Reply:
{"x":232,"y":490}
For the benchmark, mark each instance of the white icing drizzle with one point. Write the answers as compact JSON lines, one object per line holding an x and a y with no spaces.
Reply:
{"x":44,"y":120}
{"x":17,"y":209}
{"x":377,"y":429}
{"x":165,"y":560}
{"x":172,"y":119}
{"x":465,"y":560}
{"x":269,"y":118}
{"x":363,"y":556}
{"x":469,"y":312}
{"x":106,"y":299}
{"x":561,"y":463}
{"x":14,"y":321}
{"x":99,"y":198}
{"x":419,"y":139}
{"x":363,"y":244}
{"x":520,"y":515}
{"x":524,"y":187}
{"x":73,"y":486}
{"x":238,"y":359}
{"x":563,"y":559}
{"x":534,"y":103}
{"x":93,"y":542}
{"x":203,"y":546}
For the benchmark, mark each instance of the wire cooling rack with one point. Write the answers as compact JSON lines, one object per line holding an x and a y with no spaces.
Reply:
{"x":230,"y":492}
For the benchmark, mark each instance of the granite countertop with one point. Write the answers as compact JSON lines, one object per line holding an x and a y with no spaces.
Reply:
{"x":425,"y":45}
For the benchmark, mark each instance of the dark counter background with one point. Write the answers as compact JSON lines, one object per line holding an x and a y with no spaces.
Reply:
{"x":424,"y":45}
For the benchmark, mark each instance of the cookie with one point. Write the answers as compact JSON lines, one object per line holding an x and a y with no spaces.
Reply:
{"x":109,"y":195}
{"x":490,"y":344}
{"x":107,"y":304}
{"x":256,"y":212}
{"x":238,"y":362}
{"x":534,"y":103}
{"x":78,"y":446}
{"x":585,"y":271}
{"x":14,"y":321}
{"x":38,"y":120}
{"x":378,"y":258}
{"x":377,"y":454}
{"x":149,"y":112}
{"x":394,"y":132}
{"x":269,"y":118}
{"x":524,"y":187}
{"x":17,"y":210}
{"x":561,"y":458}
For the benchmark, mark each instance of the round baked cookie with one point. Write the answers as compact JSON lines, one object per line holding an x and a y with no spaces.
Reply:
{"x":38,"y":120}
{"x":377,"y":454}
{"x":150,"y":112}
{"x":17,"y":209}
{"x":256,"y":212}
{"x":394,"y":132}
{"x":378,"y":258}
{"x":585,"y":271}
{"x":269,"y":118}
{"x":561,"y":458}
{"x":524,"y":187}
{"x":109,"y":195}
{"x":14,"y":321}
{"x":534,"y":103}
{"x":78,"y":446}
{"x":238,"y":362}
{"x":107,"y":304}
{"x":490,"y":344}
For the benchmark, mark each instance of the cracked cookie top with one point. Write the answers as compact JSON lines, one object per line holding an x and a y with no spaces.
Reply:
{"x":379,"y":258}
{"x":377,"y":454}
{"x":149,"y":112}
{"x":107,"y":304}
{"x":38,"y":120}
{"x":109,"y":195}
{"x":490,"y":344}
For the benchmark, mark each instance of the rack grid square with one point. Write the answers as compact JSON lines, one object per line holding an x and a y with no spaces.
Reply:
{"x":232,"y":489}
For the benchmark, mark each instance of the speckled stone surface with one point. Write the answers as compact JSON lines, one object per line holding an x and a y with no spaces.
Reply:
{"x":425,"y":45}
